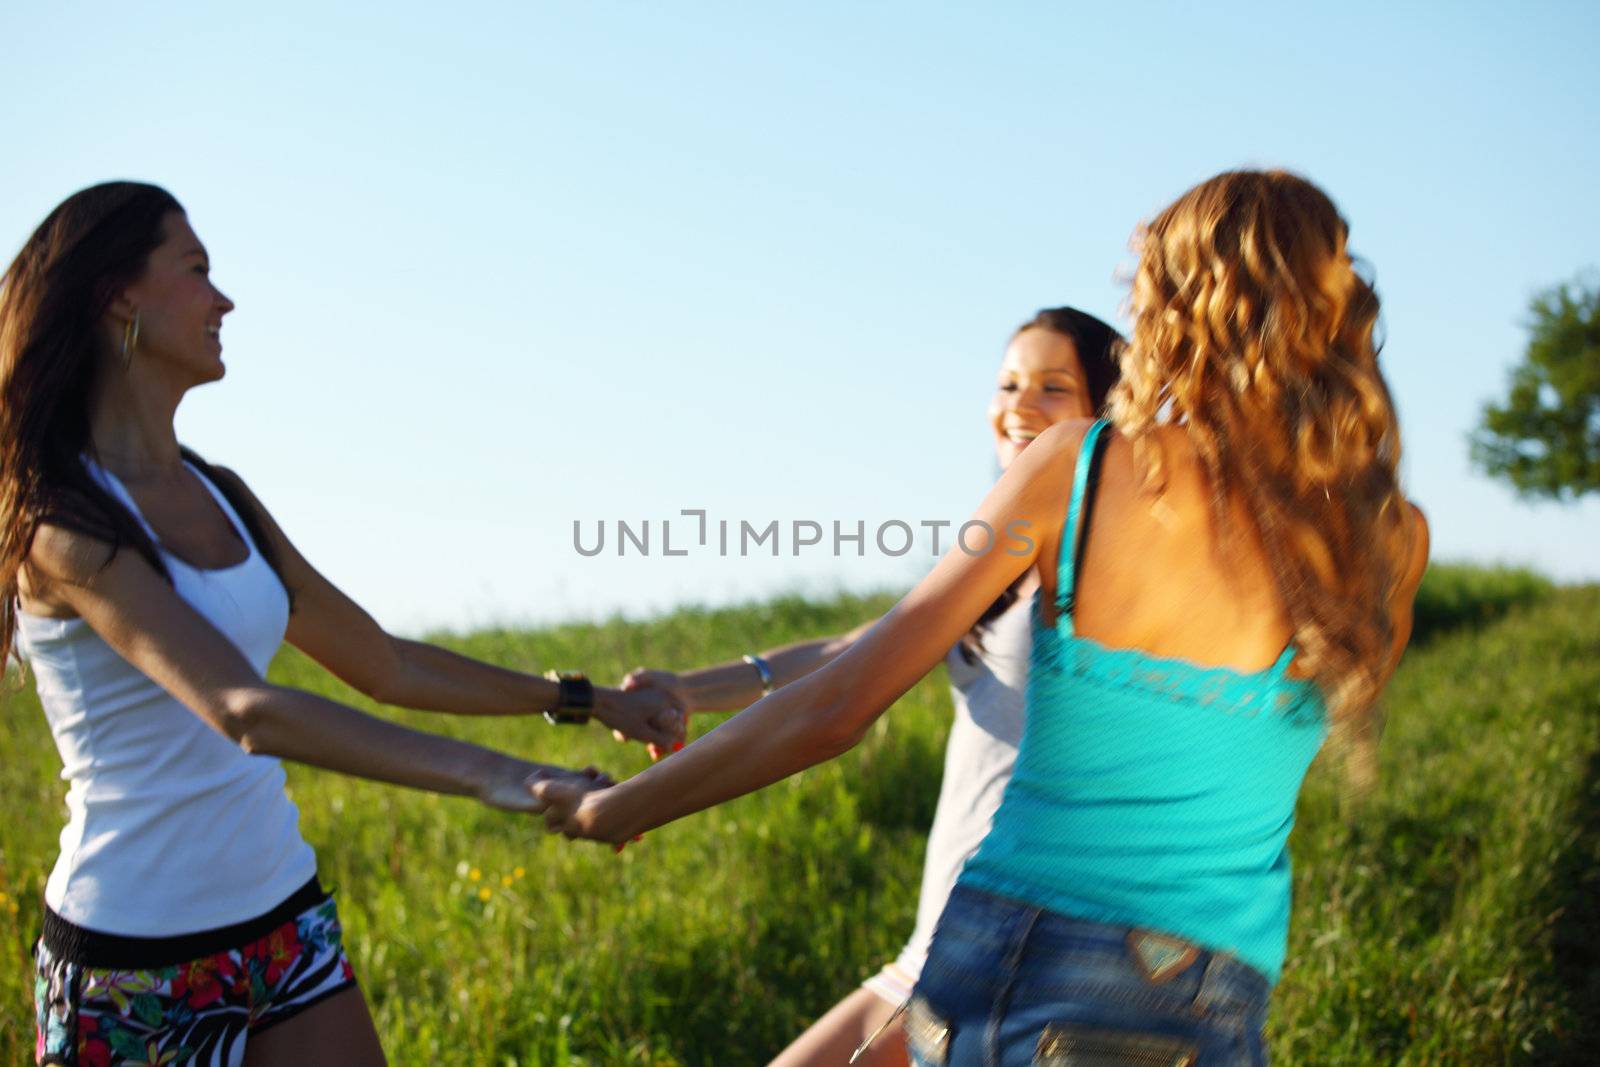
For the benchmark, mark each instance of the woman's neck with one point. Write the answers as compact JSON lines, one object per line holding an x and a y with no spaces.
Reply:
{"x":130,"y":425}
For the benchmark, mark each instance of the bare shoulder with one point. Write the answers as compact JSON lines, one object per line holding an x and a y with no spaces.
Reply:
{"x":1060,"y":443}
{"x":230,"y":480}
{"x":1041,"y":477}
{"x":59,"y":554}
{"x":1040,"y":471}
{"x":1420,"y":543}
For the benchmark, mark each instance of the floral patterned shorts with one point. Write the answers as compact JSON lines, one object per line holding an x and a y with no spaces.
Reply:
{"x":200,"y":1011}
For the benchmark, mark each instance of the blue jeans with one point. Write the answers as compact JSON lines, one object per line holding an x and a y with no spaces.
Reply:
{"x":1008,"y":984}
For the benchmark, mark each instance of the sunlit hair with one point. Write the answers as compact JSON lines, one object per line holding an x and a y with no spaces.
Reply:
{"x":1254,"y":331}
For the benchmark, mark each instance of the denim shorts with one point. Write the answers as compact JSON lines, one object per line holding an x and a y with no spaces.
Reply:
{"x":1008,"y":984}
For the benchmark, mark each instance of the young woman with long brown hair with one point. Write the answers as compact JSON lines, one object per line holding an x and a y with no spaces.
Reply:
{"x":148,"y":590}
{"x":1227,"y":568}
{"x":1059,"y":365}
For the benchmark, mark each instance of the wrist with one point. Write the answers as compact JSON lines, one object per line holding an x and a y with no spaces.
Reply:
{"x":574,"y":701}
{"x":605,"y":704}
{"x":763,"y":669}
{"x":499,"y":781}
{"x":697,"y":690}
{"x":602,"y":814}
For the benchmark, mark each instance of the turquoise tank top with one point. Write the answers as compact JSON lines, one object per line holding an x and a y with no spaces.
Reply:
{"x":1152,"y":792}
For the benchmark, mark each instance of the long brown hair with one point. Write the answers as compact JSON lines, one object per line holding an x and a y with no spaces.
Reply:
{"x":1254,"y":331}
{"x":1096,"y":346}
{"x":52,"y":299}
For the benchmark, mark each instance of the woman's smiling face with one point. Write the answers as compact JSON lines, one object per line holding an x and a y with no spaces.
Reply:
{"x":1041,"y":383}
{"x":180,"y":310}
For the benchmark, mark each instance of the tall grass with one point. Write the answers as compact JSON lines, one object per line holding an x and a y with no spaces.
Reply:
{"x":1450,"y":920}
{"x":1457,"y":596}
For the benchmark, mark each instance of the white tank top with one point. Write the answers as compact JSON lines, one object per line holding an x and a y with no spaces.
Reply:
{"x":988,"y":697}
{"x":174,"y":828}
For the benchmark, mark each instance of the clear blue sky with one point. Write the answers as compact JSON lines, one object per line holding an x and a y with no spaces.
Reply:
{"x":500,"y":267}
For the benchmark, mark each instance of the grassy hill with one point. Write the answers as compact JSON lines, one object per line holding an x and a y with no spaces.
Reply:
{"x":1451,"y":919}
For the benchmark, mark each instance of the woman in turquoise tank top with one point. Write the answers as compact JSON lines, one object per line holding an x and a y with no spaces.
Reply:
{"x":1059,"y":365}
{"x":1227,"y":568}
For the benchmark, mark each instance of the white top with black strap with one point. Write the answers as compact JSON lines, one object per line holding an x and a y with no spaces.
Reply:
{"x":173,"y":827}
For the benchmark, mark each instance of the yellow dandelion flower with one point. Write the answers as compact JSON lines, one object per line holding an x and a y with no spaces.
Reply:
{"x":506,"y":880}
{"x":484,"y":894}
{"x":519,"y":873}
{"x":475,"y":874}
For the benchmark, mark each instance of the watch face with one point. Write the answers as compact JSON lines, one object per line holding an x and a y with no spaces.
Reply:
{"x":576,"y":692}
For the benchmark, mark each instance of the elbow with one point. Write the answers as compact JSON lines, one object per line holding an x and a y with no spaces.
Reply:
{"x":380,"y":689}
{"x":244,"y":716}
{"x":837,"y":728}
{"x":845,"y":707}
{"x":383,"y":684}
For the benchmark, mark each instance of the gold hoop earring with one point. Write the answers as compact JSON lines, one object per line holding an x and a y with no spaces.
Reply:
{"x":130,"y":340}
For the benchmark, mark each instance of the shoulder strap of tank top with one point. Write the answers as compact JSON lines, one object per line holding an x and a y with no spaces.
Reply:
{"x":1075,"y":534}
{"x":240,"y":527}
{"x":1280,"y":669}
{"x":113,"y":485}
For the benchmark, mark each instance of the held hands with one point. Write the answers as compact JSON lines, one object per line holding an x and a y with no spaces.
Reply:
{"x":649,"y":706}
{"x":653,"y":715}
{"x":663,"y":683}
{"x":571,"y":804}
{"x":666,"y":681}
{"x":571,"y":807}
{"x":510,"y":785}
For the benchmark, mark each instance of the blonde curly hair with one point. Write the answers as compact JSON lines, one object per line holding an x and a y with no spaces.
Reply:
{"x":1253,"y":330}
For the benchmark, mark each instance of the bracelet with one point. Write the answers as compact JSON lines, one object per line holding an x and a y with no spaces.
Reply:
{"x":763,"y":669}
{"x":574,"y":698}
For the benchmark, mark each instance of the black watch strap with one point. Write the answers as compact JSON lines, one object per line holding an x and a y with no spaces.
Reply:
{"x":574,"y":698}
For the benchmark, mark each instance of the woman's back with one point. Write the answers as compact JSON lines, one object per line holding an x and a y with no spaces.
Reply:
{"x":1163,"y":750}
{"x":1157,"y":576}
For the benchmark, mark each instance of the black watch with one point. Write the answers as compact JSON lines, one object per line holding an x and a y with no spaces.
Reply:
{"x":574,"y":701}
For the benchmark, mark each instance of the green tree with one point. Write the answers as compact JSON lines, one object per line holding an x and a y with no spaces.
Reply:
{"x":1545,"y":438}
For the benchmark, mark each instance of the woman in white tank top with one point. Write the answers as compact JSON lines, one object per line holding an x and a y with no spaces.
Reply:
{"x":1059,"y":365}
{"x":148,"y":592}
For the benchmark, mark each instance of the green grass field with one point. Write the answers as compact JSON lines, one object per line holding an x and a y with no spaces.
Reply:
{"x":1453,"y":919}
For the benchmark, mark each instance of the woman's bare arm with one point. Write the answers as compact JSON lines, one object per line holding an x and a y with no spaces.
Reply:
{"x":140,"y":616}
{"x":338,"y":633}
{"x":737,"y":684}
{"x":827,"y":712}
